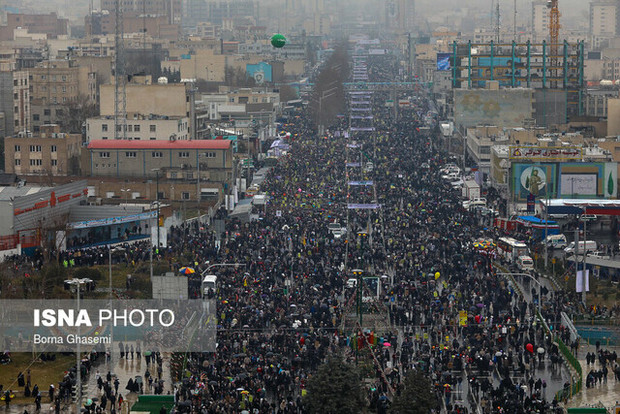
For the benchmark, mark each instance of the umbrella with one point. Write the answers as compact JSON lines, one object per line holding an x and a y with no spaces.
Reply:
{"x":240,"y":389}
{"x":147,"y":353}
{"x":186,"y":271}
{"x":540,"y":350}
{"x":245,"y":392}
{"x":387,"y":344}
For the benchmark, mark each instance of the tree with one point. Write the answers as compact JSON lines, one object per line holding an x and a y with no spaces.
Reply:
{"x":417,"y":396}
{"x":335,"y":388}
{"x":75,"y":113}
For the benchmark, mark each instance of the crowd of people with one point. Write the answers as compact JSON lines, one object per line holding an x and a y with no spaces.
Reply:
{"x":441,"y":306}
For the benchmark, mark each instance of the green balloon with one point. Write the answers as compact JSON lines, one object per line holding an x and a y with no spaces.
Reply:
{"x":278,"y":40}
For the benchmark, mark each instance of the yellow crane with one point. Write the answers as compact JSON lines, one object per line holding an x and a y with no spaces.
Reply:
{"x":554,"y":34}
{"x":554,"y":25}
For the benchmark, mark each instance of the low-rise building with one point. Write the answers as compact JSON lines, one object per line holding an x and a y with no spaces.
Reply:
{"x":211,"y":160}
{"x":49,"y":152}
{"x":140,"y":128}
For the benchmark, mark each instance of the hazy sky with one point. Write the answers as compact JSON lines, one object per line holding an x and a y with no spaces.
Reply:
{"x":573,"y":12}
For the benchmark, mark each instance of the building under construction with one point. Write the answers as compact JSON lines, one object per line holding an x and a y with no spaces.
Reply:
{"x":554,"y":71}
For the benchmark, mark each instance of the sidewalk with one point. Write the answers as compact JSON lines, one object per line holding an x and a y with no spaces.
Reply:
{"x":606,"y":393}
{"x":124,"y":369}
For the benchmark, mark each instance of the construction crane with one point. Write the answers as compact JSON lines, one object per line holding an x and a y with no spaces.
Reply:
{"x":554,"y":34}
{"x":554,"y":25}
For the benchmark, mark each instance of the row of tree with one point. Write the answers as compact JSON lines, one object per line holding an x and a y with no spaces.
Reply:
{"x":337,"y":388}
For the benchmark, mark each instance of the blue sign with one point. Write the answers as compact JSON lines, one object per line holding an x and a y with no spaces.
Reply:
{"x":261,"y":72}
{"x":443,"y":61}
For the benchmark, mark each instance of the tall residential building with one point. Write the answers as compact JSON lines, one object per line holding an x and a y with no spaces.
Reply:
{"x":54,"y":85}
{"x":240,"y":10}
{"x":540,"y":21}
{"x":603,"y":21}
{"x":400,"y":15}
{"x":14,"y":99}
{"x":49,"y":24}
{"x":169,"y":8}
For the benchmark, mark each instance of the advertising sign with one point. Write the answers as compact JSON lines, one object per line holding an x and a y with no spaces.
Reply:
{"x":534,"y":153}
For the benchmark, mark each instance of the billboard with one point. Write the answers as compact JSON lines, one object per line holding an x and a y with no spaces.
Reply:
{"x":261,"y":72}
{"x":536,"y":153}
{"x":597,"y":180}
{"x":536,"y":179}
{"x":588,"y":180}
{"x":443,"y":61}
{"x":502,"y":107}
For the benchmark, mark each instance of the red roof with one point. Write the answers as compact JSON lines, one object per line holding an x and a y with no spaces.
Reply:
{"x":202,"y":144}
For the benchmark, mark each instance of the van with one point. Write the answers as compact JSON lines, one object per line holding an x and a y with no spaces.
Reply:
{"x":525,"y":263}
{"x":589,"y":245}
{"x":556,"y":241}
{"x":209,"y":283}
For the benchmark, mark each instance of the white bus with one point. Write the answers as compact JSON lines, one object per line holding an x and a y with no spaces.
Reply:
{"x":511,"y":249}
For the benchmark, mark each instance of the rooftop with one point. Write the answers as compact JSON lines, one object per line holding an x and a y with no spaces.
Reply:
{"x":210,"y":144}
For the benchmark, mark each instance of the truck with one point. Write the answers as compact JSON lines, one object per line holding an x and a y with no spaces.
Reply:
{"x":471,"y":190}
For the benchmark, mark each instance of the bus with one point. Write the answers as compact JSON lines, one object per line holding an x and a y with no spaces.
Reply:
{"x":511,"y":249}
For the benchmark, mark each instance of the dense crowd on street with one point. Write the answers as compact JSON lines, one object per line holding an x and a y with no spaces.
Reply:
{"x":447,"y":312}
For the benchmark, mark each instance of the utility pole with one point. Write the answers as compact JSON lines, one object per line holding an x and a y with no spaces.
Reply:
{"x":157,"y":198}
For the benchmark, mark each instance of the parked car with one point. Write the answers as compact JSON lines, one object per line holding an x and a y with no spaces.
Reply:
{"x":588,"y":217}
{"x":599,"y":255}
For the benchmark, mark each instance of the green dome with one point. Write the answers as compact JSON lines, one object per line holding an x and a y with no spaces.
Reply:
{"x":278,"y":40}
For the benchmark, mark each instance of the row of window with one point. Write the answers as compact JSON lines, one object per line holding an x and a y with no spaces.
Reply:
{"x":33,"y":163}
{"x":36,"y":148}
{"x":130,"y":128}
{"x":154,"y":154}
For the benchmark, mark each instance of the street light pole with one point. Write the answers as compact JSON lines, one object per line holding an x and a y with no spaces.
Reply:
{"x":157,"y":199}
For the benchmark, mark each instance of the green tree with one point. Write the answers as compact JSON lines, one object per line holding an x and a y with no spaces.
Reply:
{"x":417,"y":396}
{"x":335,"y":388}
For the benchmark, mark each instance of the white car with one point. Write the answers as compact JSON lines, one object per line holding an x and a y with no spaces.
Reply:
{"x":600,"y":255}
{"x":451,"y":176}
{"x":337,"y":230}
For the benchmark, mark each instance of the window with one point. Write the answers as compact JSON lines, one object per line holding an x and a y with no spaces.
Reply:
{"x":104,"y":155}
{"x":152,"y":138}
{"x":129,"y":128}
{"x":104,"y":127}
{"x":185,"y":195}
{"x":152,"y":128}
{"x":35,"y":117}
{"x":15,"y":96}
{"x":18,"y":148}
{"x":18,"y":162}
{"x":54,"y":163}
{"x":59,"y":111}
{"x":136,"y":128}
{"x":210,"y":154}
{"x":158,"y":154}
{"x":184,"y":154}
{"x":35,"y":148}
{"x":42,"y":77}
{"x":131,"y":154}
{"x":53,"y":148}
{"x":104,"y":137}
{"x":46,"y":112}
{"x":36,"y":162}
